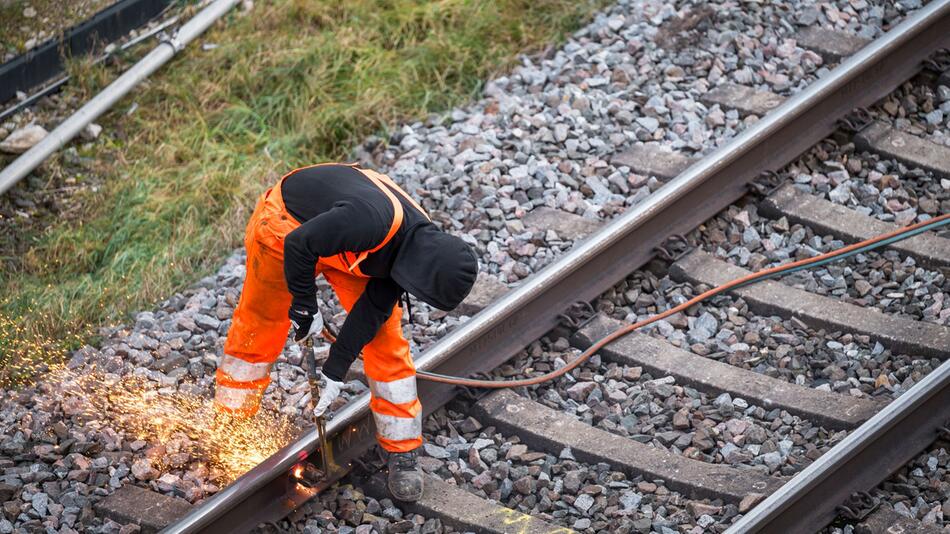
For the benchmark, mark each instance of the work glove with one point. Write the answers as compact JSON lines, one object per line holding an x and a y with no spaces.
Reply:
{"x":306,"y":324}
{"x":330,"y":391}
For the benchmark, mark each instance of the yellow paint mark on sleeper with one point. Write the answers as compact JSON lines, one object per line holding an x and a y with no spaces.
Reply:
{"x":513,"y":519}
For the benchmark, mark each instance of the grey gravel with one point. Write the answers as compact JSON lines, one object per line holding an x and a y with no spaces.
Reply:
{"x":542,"y":135}
{"x":786,"y":349}
{"x":656,"y":410}
{"x":557,"y":488}
{"x":883,"y":279}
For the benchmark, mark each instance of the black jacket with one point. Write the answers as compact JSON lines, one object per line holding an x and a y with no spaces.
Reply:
{"x":341,"y":210}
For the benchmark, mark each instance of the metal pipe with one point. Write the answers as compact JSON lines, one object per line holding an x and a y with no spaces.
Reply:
{"x":69,"y":128}
{"x":506,"y":317}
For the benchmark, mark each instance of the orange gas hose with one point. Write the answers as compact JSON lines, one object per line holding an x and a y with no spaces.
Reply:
{"x":896,"y":235}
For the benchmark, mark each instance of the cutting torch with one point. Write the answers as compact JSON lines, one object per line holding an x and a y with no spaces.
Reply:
{"x":310,"y":361}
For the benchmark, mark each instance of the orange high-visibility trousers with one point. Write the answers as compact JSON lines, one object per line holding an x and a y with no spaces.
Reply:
{"x":260,"y":325}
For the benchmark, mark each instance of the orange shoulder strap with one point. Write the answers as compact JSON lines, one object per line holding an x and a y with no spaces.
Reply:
{"x":387,"y":186}
{"x":393,"y":186}
{"x":397,"y":211}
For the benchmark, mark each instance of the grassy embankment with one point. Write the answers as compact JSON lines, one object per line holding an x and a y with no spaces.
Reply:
{"x":295,"y":82}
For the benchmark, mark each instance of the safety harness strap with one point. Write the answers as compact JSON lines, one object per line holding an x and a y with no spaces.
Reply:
{"x":397,"y":212}
{"x":394,"y":187}
{"x":387,"y":186}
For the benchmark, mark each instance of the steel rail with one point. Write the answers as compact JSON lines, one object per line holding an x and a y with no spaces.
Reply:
{"x":103,"y":101}
{"x":873,"y":451}
{"x":267,"y":492}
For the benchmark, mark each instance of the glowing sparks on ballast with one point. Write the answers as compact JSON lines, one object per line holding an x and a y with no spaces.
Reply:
{"x":179,"y":421}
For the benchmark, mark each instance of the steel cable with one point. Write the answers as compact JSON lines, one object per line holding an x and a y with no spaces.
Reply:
{"x":821,"y":259}
{"x":772,"y":272}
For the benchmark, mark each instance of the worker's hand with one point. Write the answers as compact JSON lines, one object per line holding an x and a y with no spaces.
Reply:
{"x":331,"y":390}
{"x":306,"y":324}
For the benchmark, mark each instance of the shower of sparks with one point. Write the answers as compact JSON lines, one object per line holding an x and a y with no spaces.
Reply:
{"x":25,"y":353}
{"x":141,"y":409}
{"x":133,"y":405}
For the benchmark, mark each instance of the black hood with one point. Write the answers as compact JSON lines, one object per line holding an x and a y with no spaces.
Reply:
{"x":435,"y":267}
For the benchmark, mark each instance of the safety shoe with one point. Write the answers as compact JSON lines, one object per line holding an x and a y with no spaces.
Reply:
{"x":405,"y":476}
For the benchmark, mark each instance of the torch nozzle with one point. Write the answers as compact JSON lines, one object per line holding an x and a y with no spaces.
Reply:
{"x":320,"y":421}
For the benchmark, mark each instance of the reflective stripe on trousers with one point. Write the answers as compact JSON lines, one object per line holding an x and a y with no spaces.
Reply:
{"x":397,"y":413}
{"x":398,"y":391}
{"x":242,"y":371}
{"x":398,"y":428}
{"x":240,"y":385}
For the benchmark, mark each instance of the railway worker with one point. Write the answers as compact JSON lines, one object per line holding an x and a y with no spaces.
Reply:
{"x":372,"y":243}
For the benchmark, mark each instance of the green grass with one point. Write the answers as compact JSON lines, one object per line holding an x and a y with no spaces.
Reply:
{"x":295,"y":82}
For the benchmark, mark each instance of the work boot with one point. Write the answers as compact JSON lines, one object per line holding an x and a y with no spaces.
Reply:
{"x":405,"y":476}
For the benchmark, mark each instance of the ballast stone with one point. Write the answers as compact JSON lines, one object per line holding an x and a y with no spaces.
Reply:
{"x":831,"y":45}
{"x":23,"y":139}
{"x":487,"y":289}
{"x":745,"y":100}
{"x":91,"y":132}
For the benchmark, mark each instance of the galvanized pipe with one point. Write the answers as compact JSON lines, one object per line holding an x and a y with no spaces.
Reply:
{"x":507,"y":318}
{"x":102,"y":102}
